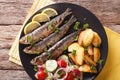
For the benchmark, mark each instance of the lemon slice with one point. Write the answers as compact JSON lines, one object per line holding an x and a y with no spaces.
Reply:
{"x":42,"y":17}
{"x":50,"y":12}
{"x":31,"y":26}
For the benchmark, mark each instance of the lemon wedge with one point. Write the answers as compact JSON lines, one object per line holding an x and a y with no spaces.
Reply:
{"x":31,"y":26}
{"x":42,"y":17}
{"x":50,"y":12}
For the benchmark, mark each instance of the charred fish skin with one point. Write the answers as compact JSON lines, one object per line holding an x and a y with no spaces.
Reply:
{"x":46,"y":29}
{"x":56,"y":50}
{"x":50,"y":40}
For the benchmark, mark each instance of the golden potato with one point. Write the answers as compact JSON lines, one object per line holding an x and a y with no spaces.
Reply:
{"x":79,"y":57}
{"x":81,"y":37}
{"x":73,"y":46}
{"x":73,"y":58}
{"x":96,"y":54}
{"x":88,"y":37}
{"x":89,"y":60}
{"x":97,"y":40}
{"x":87,"y":68}
{"x":90,"y":50}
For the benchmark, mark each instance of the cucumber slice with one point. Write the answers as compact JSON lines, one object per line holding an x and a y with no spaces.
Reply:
{"x":51,"y":65}
{"x":64,"y":57}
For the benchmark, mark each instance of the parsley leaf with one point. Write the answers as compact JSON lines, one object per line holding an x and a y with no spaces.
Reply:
{"x":76,"y":38}
{"x":36,"y":52}
{"x":65,"y":48}
{"x":86,"y":25}
{"x":57,"y":30}
{"x":85,"y":18}
{"x":76,"y":25}
{"x":92,"y":67}
{"x":100,"y":61}
{"x":35,"y":68}
{"x":51,"y":26}
{"x":29,"y":39}
{"x":66,"y":21}
{"x":45,"y":49}
{"x":49,"y":55}
{"x":73,"y":52}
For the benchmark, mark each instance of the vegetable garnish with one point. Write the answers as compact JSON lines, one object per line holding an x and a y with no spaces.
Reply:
{"x":86,"y":25}
{"x":76,"y":38}
{"x":57,"y":30}
{"x":73,"y":52}
{"x":29,"y":39}
{"x":65,"y":48}
{"x":100,"y":61}
{"x":35,"y":68}
{"x":36,"y":52}
{"x":76,"y":25}
{"x":85,"y":19}
{"x":58,"y":77}
{"x":92,"y":67}
{"x":45,"y":49}
{"x":51,"y":26}
{"x":66,"y":21}
{"x":49,"y":55}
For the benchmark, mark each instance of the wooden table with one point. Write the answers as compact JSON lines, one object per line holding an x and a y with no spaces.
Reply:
{"x":12,"y":15}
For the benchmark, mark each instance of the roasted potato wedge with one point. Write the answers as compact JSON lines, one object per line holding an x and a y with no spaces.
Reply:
{"x":89,"y":60}
{"x":88,"y":37}
{"x":79,"y":57}
{"x":97,"y":40}
{"x":73,"y":58}
{"x":90,"y":50}
{"x":73,"y":46}
{"x":96,"y":54}
{"x":81,"y":37}
{"x":87,"y":68}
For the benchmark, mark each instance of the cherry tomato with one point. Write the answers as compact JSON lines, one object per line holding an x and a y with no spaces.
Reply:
{"x":41,"y":75}
{"x":62,"y":63}
{"x":70,"y":76}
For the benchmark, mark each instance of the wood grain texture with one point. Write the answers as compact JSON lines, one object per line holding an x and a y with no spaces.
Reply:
{"x":12,"y":15}
{"x":13,"y":75}
{"x":14,"y":11}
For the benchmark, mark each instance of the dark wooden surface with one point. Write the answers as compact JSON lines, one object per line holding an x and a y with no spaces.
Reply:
{"x":12,"y":15}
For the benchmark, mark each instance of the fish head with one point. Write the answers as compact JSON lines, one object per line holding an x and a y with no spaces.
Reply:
{"x":27,"y":39}
{"x":28,"y":50}
{"x":39,"y":60}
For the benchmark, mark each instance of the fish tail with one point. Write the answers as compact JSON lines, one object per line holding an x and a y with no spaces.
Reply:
{"x":72,"y":19}
{"x":67,"y":12}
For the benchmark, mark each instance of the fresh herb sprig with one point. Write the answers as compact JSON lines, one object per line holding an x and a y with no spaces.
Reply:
{"x":92,"y":67}
{"x":100,"y":61}
{"x":57,"y":30}
{"x":76,"y":25}
{"x":85,"y":26}
{"x":76,"y":38}
{"x":51,"y":26}
{"x":35,"y":68}
{"x":73,"y":52}
{"x":30,"y":41}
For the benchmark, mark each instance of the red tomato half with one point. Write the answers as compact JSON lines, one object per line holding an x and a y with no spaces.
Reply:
{"x":62,"y":63}
{"x":41,"y":75}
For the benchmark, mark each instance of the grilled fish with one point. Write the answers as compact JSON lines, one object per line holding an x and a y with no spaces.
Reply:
{"x":50,"y":40}
{"x":45,"y":30}
{"x":56,"y":50}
